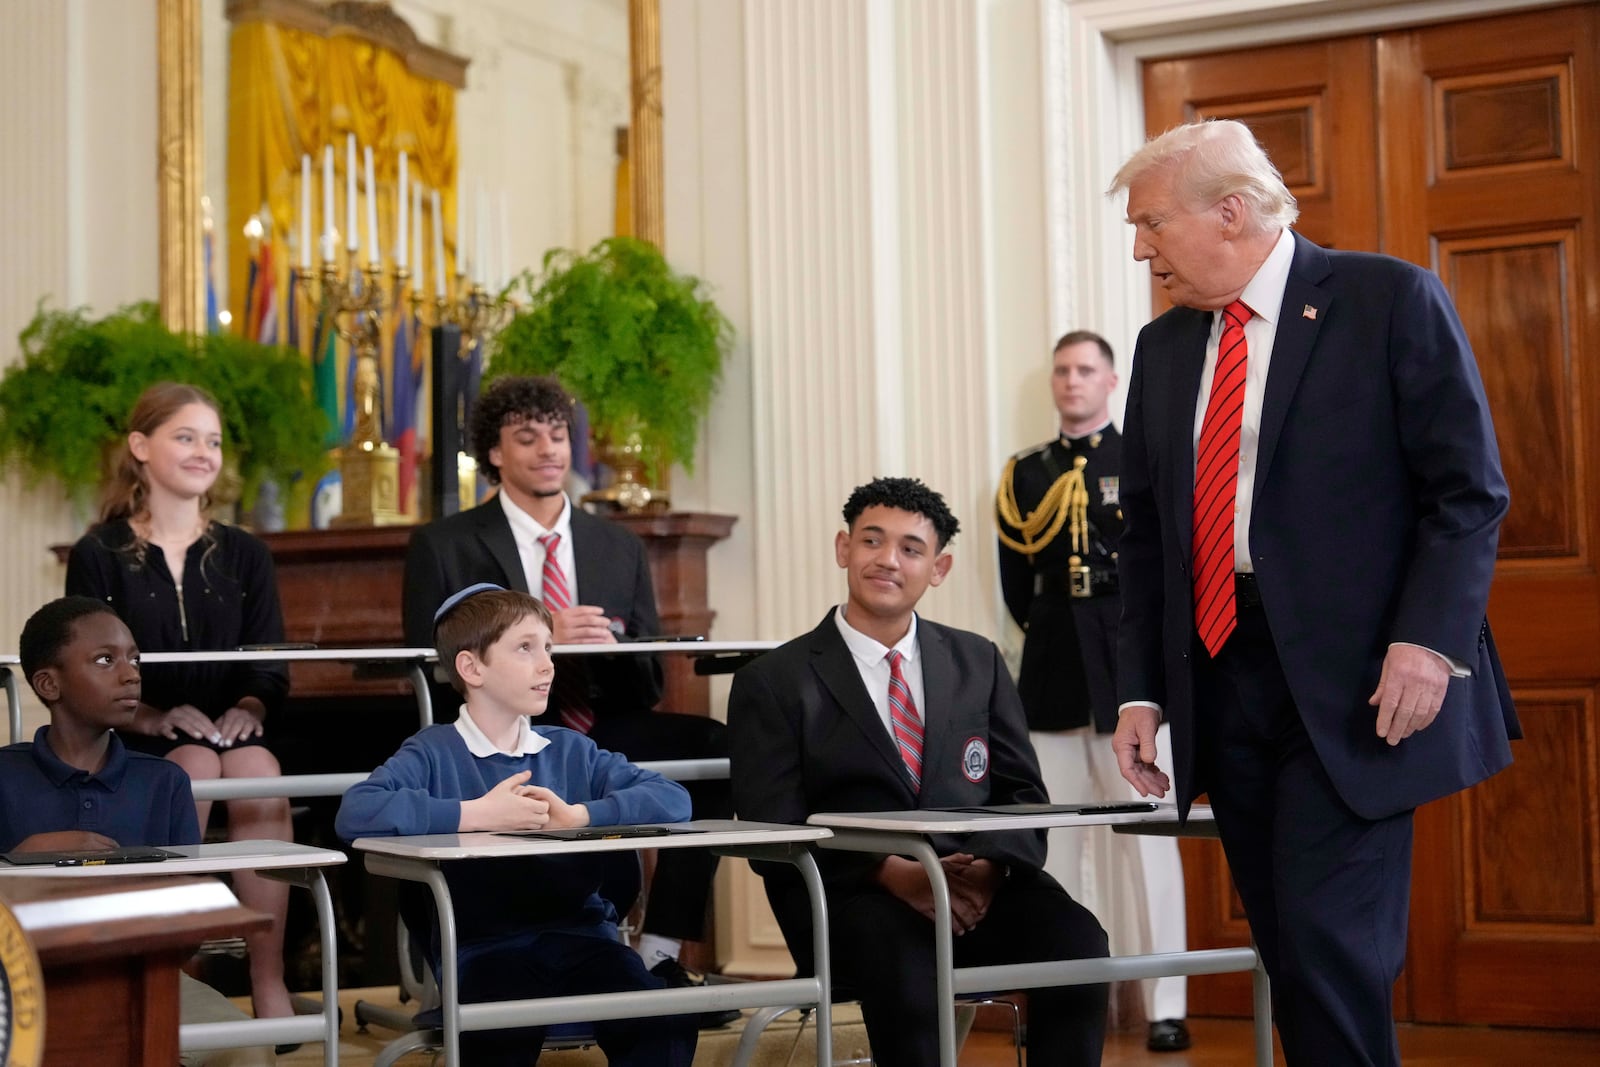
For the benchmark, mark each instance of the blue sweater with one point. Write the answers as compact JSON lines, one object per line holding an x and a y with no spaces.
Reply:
{"x":420,"y":788}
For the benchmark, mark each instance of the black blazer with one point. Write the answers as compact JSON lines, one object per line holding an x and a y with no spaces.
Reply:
{"x":803,"y":737}
{"x":452,"y":553}
{"x":1376,"y":513}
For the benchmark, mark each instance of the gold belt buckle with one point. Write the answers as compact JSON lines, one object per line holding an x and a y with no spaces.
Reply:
{"x":1079,"y":581}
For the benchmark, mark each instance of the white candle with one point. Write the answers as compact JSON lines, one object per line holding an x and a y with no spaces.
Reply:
{"x":327,"y":203}
{"x":438,"y":248}
{"x":461,"y":231}
{"x":372,"y":211}
{"x":504,"y":243}
{"x":350,"y":236}
{"x":480,"y":244}
{"x":401,"y":217}
{"x":416,"y":234}
{"x":305,"y":211}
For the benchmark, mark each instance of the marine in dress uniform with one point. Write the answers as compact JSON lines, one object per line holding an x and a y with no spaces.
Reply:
{"x":1058,"y":515}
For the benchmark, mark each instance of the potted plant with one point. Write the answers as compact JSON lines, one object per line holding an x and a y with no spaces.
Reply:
{"x":65,"y":403}
{"x":638,"y":343}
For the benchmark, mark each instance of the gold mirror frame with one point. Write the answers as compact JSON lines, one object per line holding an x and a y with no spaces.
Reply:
{"x":181,"y":148}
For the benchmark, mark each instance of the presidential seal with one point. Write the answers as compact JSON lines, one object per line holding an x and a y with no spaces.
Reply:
{"x":21,"y":996}
{"x":975,"y":759}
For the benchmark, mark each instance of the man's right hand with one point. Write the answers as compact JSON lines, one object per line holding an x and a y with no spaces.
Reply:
{"x":508,"y":806}
{"x":1135,"y":746}
{"x":583,"y":624}
{"x":65,"y":841}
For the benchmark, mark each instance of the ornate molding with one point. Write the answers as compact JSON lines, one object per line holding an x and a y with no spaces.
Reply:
{"x":181,"y":163}
{"x":371,"y":20}
{"x":645,"y":158}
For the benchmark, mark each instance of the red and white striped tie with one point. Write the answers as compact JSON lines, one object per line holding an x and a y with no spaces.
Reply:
{"x":1216,"y":482}
{"x":553,"y":590}
{"x":905,"y":720}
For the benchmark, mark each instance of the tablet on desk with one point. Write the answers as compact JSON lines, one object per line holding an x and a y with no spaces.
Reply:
{"x":88,"y":857}
{"x":598,"y":833}
{"x":1127,"y":807}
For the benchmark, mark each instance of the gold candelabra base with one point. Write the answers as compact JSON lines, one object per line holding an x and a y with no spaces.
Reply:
{"x":369,"y":476}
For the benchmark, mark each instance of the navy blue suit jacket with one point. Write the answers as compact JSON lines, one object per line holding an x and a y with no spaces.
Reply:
{"x":1376,"y":514}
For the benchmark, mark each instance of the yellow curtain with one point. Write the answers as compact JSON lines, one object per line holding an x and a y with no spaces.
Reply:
{"x":291,"y":93}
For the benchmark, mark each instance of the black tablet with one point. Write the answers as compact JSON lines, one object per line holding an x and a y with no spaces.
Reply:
{"x":88,"y":857}
{"x":599,"y":833}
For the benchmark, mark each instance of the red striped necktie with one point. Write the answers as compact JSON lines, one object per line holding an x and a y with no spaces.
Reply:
{"x":904,"y":719}
{"x":1216,"y":481}
{"x":575,"y":712}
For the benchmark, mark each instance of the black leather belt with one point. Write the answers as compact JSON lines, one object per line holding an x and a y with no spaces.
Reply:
{"x":1080,"y":582}
{"x":1246,"y":593}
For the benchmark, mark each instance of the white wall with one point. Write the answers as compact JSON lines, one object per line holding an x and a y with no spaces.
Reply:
{"x":78,"y":211}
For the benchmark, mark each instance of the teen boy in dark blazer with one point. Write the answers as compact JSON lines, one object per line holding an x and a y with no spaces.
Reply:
{"x":880,"y":710}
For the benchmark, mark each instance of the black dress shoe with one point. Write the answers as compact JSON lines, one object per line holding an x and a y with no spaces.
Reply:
{"x":676,"y":975}
{"x":1168,"y":1035}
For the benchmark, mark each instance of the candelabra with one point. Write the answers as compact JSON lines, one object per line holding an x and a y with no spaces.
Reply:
{"x":476,"y":315}
{"x":369,"y":468}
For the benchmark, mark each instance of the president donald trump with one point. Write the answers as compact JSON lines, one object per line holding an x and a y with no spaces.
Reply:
{"x":1313,"y":497}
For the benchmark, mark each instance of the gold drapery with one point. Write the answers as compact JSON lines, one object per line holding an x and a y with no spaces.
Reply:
{"x":292,"y":92}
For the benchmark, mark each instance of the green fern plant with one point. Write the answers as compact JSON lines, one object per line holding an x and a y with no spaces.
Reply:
{"x":638,"y":343}
{"x":65,"y":402}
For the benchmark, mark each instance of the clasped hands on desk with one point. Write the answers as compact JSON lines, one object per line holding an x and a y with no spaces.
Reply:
{"x":418,"y":859}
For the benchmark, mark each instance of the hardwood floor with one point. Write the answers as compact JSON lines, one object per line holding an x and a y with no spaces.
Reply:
{"x":1217,"y":1042}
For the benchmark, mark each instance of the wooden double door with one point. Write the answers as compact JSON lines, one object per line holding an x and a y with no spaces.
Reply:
{"x":1471,"y":148}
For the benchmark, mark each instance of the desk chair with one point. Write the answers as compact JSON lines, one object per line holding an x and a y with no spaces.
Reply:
{"x":621,"y":882}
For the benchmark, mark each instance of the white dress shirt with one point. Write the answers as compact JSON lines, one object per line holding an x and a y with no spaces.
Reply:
{"x":526,"y":744}
{"x":1264,"y":297}
{"x":527,"y":531}
{"x":872,"y":663}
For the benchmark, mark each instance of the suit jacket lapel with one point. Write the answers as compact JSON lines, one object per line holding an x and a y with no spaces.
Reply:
{"x":588,"y":583}
{"x":494,"y":530}
{"x":1304,"y":310}
{"x":836,"y":667}
{"x":938,"y":695}
{"x":1188,"y":368}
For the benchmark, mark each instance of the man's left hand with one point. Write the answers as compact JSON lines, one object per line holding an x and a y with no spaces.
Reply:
{"x":1410,"y":691}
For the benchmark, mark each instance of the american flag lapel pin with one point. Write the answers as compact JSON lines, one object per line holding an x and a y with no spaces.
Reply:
{"x":1310,"y":312}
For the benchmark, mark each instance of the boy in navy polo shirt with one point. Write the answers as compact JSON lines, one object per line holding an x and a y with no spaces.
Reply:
{"x":75,"y":786}
{"x":526,"y":927}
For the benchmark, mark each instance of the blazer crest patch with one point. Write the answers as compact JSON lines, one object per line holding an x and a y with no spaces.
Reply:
{"x":975,"y":759}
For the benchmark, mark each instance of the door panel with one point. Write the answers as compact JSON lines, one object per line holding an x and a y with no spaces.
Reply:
{"x":1468,"y":148}
{"x":1503,"y":204}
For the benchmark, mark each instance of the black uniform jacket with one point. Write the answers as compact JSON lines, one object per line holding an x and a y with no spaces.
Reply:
{"x":1055,"y":688}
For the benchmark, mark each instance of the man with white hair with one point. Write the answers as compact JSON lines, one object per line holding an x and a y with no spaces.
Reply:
{"x":1312,"y":494}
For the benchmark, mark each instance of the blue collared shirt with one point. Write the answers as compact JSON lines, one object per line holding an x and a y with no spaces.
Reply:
{"x":134,"y":799}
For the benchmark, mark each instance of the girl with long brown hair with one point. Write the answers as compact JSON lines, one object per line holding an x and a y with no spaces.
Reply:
{"x":186,"y":583}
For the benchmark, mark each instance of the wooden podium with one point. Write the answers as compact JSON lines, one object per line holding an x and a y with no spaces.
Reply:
{"x":341,"y":588}
{"x":110,"y":949}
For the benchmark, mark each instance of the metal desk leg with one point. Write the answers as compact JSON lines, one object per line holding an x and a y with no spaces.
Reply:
{"x":419,"y":687}
{"x":943,"y":950}
{"x":807,"y":865}
{"x":1261,"y":994}
{"x":449,"y":964}
{"x":313,"y":878}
